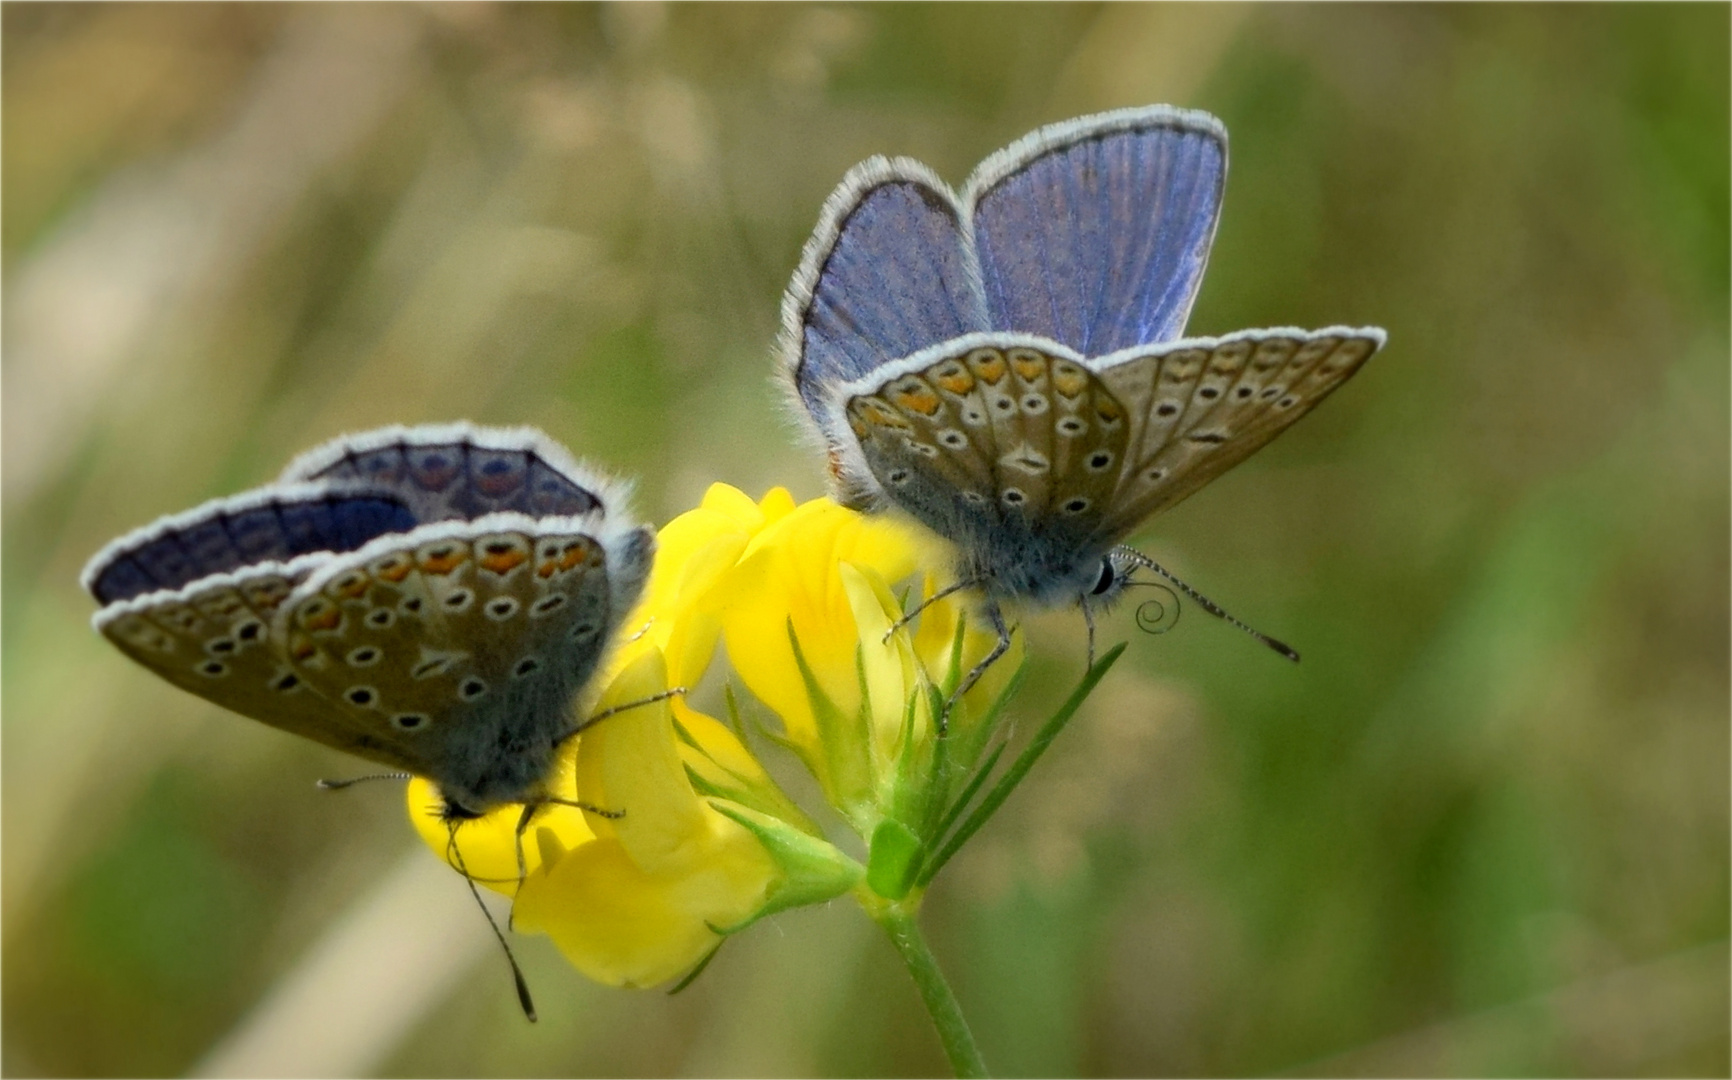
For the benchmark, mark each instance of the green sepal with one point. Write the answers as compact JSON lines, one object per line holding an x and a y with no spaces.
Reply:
{"x":844,"y":749}
{"x":724,"y":783}
{"x":813,"y":871}
{"x":895,"y":859}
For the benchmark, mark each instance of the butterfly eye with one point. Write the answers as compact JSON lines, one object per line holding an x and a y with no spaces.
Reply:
{"x":1105,"y":581}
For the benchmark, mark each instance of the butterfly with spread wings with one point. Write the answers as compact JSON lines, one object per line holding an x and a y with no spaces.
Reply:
{"x":1005,"y":363}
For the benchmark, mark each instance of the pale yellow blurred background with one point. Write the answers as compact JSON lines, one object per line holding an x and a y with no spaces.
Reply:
{"x":1482,"y":829}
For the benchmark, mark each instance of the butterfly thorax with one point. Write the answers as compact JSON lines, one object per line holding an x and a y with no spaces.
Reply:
{"x":1023,"y":565}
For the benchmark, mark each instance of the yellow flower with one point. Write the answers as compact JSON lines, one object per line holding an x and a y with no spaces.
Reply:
{"x":693,"y":552}
{"x":636,"y":905}
{"x":801,"y":604}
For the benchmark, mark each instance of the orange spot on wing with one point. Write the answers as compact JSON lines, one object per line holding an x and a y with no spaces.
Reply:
{"x":956,"y":380}
{"x":442,"y":560}
{"x":1029,"y":365}
{"x":918,"y":398}
{"x":878,"y":413}
{"x":1069,"y":381}
{"x":321,"y":616}
{"x":988,"y":364}
{"x":575,"y":552}
{"x":503,"y":562}
{"x":267,"y":594}
{"x":395,"y":570}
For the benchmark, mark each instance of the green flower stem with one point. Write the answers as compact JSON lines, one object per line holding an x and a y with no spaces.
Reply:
{"x":1018,"y":769}
{"x":898,"y":921}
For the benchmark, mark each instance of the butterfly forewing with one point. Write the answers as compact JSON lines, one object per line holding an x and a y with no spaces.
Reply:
{"x":1095,"y":232}
{"x":1199,"y":408}
{"x":213,"y":639}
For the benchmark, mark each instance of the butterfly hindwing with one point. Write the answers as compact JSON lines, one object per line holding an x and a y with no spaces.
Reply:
{"x":1095,"y":232}
{"x":464,"y":644}
{"x":1005,"y":443}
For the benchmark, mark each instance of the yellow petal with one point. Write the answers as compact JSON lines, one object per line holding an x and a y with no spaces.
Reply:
{"x":788,"y":575}
{"x":622,"y":925}
{"x":487,"y":847}
{"x":629,"y":763}
{"x":694,"y":551}
{"x":888,"y":664}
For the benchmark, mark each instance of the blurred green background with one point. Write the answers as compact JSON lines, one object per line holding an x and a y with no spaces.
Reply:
{"x":1482,"y":830}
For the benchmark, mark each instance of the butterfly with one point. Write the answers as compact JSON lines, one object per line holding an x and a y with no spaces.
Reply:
{"x":434,"y":599}
{"x":1005,"y":363}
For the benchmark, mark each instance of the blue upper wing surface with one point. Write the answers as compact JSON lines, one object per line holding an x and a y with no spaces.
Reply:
{"x":1095,"y":233}
{"x":887,"y":274}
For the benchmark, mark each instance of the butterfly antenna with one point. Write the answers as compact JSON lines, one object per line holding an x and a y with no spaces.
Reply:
{"x":339,"y":785}
{"x":523,"y":997}
{"x":1208,"y":605}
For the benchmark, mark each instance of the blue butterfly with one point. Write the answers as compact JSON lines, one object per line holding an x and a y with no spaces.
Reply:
{"x":1005,"y":364}
{"x":434,"y":599}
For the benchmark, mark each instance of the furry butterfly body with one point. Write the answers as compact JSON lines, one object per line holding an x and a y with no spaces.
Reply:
{"x":433,"y":599}
{"x":1005,"y":364}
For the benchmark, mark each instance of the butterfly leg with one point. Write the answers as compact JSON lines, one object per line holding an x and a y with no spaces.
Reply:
{"x":996,"y":618}
{"x":948,"y":590}
{"x":1089,"y":621}
{"x":517,"y":837}
{"x":627,"y":707}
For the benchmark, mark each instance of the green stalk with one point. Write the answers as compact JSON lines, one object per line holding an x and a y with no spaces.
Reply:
{"x":898,"y":921}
